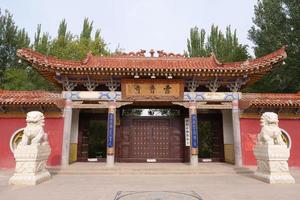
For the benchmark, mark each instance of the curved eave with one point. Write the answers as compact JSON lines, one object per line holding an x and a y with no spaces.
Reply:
{"x":254,"y":69}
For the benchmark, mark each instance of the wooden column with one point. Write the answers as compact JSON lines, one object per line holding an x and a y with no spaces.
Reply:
{"x":192,"y":106}
{"x":67,"y":133}
{"x":194,"y":134}
{"x":111,"y":132}
{"x":236,"y":133}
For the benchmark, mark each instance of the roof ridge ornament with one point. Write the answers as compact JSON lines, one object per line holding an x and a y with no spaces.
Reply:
{"x":161,"y":53}
{"x":88,"y":57}
{"x":140,"y":53}
{"x":214,"y":57}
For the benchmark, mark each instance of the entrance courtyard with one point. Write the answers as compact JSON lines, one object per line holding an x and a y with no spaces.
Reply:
{"x":152,"y":181}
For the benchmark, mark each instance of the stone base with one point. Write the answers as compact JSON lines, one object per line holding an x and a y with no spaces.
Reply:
{"x":29,"y":179}
{"x":31,"y":165}
{"x":110,"y":160}
{"x":275,"y":178}
{"x":272,"y":165}
{"x":194,"y":160}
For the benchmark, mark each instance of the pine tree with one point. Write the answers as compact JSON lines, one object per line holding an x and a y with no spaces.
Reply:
{"x":65,"y":45}
{"x":225,"y":47}
{"x":196,"y":43}
{"x":11,"y":38}
{"x":277,"y":23}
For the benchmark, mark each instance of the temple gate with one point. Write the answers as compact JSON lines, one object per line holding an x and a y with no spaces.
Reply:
{"x":196,"y":87}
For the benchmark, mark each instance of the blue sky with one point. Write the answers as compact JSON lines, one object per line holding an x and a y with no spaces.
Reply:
{"x":136,"y":24}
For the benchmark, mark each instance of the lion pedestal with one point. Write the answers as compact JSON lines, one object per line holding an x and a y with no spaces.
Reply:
{"x":272,"y":165}
{"x":30,"y":165}
{"x":32,"y":153}
{"x":271,"y":152}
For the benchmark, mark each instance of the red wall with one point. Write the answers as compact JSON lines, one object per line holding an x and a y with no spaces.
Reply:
{"x":53,"y":127}
{"x":251,"y":127}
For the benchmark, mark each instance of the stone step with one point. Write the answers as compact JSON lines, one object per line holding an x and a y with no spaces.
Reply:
{"x":138,"y":169}
{"x":99,"y":172}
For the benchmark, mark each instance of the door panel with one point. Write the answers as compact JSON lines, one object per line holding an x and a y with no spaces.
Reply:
{"x":151,"y":138}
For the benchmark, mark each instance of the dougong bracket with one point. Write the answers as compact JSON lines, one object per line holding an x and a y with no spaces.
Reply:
{"x":213,"y":85}
{"x":69,"y":86}
{"x":112,"y":85}
{"x":90,"y":86}
{"x":236,"y":86}
{"x":192,"y":85}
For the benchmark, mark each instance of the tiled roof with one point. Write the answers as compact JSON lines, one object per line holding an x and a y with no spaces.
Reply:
{"x":142,"y":63}
{"x":278,"y":100}
{"x":11,"y":97}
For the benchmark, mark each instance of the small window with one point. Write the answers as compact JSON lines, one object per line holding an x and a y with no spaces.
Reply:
{"x":15,"y":139}
{"x":286,"y":138}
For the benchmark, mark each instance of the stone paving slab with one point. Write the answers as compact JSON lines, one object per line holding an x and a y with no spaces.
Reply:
{"x":107,"y":187}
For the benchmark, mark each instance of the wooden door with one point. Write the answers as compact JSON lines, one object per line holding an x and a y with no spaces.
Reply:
{"x":91,"y":136}
{"x":154,"y":138}
{"x":210,"y":129}
{"x":83,"y":140}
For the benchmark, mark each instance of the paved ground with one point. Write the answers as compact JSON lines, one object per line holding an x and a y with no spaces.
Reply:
{"x":226,"y":185}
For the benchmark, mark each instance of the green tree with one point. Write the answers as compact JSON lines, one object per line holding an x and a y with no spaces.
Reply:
{"x":73,"y":47}
{"x":196,"y":43}
{"x":11,"y":38}
{"x":67,"y":46}
{"x":17,"y":79}
{"x":20,"y":76}
{"x":225,"y":46}
{"x":277,"y":23}
{"x":41,"y":42}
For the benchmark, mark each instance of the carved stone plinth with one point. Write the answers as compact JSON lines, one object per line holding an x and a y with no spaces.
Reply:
{"x":30,"y":165}
{"x":272,"y":165}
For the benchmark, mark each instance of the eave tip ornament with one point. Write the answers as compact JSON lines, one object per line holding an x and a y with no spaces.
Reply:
{"x":271,"y":152}
{"x":32,"y":153}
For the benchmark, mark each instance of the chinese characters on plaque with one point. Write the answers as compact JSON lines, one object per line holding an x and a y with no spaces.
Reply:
{"x":194,"y":131}
{"x":152,"y":89}
{"x":110,"y":130}
{"x":187,"y":132}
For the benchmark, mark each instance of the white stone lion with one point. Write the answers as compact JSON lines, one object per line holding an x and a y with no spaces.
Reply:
{"x":270,"y":132}
{"x":34,"y":131}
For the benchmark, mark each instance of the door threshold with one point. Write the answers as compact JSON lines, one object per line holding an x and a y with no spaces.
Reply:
{"x":152,"y":160}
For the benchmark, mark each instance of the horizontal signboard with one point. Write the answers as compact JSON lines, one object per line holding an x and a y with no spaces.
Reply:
{"x":152,"y":89}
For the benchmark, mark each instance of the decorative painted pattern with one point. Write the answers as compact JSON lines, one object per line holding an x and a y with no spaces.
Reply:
{"x":94,"y":95}
{"x":117,"y":96}
{"x":212,"y":96}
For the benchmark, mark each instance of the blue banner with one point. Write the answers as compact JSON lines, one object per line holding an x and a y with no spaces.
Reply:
{"x":110,"y":130}
{"x":194,"y":131}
